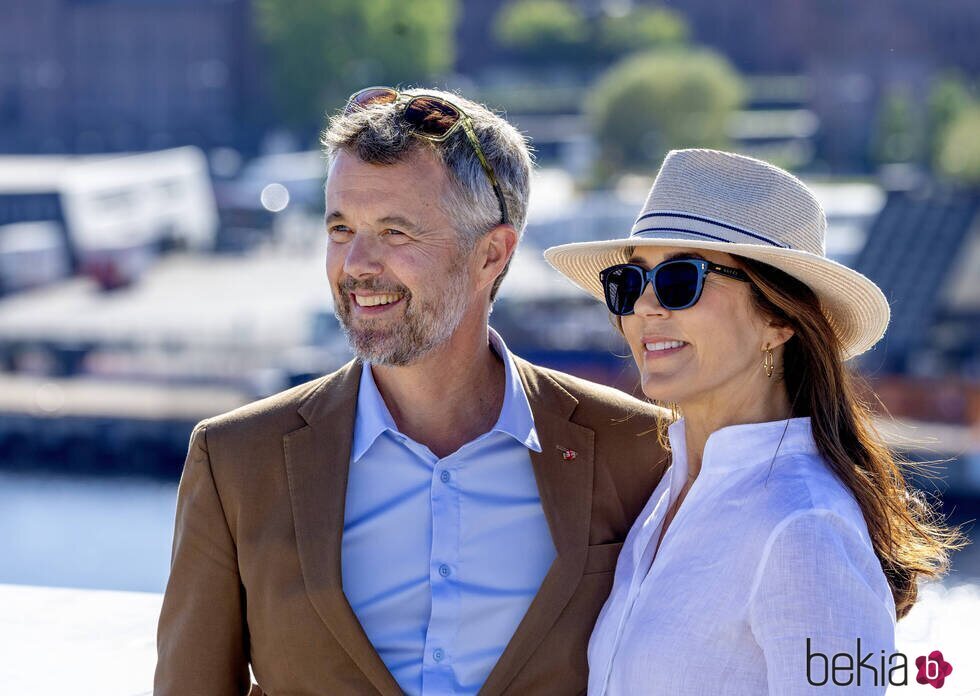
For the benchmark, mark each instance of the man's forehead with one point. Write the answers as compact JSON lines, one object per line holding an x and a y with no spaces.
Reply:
{"x":421,"y":181}
{"x":404,"y":194}
{"x":417,"y":164}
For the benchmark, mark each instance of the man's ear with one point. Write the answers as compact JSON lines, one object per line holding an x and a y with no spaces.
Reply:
{"x":495,"y":249}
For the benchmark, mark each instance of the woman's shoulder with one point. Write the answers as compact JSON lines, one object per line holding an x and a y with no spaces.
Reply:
{"x":803,"y":487}
{"x":810,"y":512}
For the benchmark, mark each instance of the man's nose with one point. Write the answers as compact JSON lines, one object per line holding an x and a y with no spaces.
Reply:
{"x":363,"y":257}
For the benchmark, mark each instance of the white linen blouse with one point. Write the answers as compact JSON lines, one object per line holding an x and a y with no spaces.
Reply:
{"x":768,"y":551}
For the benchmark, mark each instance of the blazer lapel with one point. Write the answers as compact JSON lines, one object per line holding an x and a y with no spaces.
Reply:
{"x":565,"y":486}
{"x":317,"y":460}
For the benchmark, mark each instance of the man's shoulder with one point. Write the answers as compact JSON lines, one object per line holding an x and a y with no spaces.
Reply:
{"x":280,"y":412}
{"x":594,"y":397}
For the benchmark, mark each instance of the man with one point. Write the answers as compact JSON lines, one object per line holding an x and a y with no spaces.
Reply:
{"x":438,"y":516}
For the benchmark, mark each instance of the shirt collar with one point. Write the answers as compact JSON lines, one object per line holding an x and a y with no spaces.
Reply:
{"x":515,"y":417}
{"x":747,"y":444}
{"x":373,"y":418}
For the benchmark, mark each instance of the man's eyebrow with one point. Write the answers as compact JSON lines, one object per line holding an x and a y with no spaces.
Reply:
{"x":398,"y":221}
{"x":670,"y":257}
{"x":394,"y":220}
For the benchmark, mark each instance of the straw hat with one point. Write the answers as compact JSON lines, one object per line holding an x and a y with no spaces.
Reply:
{"x":706,"y":199}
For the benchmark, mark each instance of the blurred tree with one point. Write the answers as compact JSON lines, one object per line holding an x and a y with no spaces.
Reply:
{"x":542,"y":31}
{"x":948,"y":97}
{"x":959,"y":151}
{"x":898,"y":132}
{"x":557,"y":32}
{"x":323,"y":51}
{"x":654,"y":102}
{"x":641,"y":29}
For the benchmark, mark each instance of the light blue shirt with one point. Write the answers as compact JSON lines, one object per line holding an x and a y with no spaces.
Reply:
{"x":442,"y":557}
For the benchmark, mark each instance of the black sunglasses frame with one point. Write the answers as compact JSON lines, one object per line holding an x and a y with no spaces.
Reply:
{"x":364,"y":98}
{"x":650,"y":277}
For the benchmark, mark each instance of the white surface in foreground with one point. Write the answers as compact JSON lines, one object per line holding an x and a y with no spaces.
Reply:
{"x":945,"y":619}
{"x":56,"y":641}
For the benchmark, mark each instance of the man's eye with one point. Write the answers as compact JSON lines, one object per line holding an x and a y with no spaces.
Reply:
{"x":396,"y":235}
{"x":340,"y":233}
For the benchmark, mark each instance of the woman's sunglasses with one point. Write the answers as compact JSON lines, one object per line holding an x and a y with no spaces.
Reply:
{"x":432,"y":118}
{"x":678,"y":283}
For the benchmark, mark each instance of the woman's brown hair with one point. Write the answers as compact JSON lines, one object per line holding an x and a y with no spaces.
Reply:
{"x":909,"y":536}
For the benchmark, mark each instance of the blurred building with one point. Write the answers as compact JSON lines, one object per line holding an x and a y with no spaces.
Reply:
{"x":789,"y":36}
{"x":106,"y":215}
{"x":848,"y":55}
{"x":80,"y":76}
{"x":786,"y":36}
{"x":853,"y":54}
{"x":923,"y":251}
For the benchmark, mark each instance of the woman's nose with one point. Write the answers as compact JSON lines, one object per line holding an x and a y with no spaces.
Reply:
{"x":648,"y":304}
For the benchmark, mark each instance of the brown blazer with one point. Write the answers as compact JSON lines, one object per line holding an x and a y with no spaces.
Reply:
{"x":255,"y":572}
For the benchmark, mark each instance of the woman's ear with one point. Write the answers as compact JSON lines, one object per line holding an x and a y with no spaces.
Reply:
{"x":777,"y":334}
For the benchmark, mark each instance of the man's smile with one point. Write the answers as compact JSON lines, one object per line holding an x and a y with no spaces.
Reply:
{"x":374,"y":304}
{"x":376,"y":299}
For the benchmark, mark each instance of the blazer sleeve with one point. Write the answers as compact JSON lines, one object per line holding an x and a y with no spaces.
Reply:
{"x":202,"y":634}
{"x":819,"y":589}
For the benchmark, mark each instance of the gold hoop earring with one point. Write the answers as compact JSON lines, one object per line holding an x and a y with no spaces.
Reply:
{"x":768,"y":362}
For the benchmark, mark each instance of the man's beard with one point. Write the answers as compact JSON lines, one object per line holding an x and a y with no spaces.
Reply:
{"x":424,"y":325}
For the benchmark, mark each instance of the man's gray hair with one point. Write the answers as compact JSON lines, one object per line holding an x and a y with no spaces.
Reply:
{"x":378,"y":135}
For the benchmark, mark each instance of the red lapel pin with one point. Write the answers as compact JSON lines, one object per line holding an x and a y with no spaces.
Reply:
{"x":567,"y":454}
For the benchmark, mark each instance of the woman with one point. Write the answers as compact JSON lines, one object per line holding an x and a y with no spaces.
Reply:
{"x":784,"y":533}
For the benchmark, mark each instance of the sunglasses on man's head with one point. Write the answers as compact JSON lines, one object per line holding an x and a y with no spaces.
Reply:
{"x":677,"y":283}
{"x":432,"y":118}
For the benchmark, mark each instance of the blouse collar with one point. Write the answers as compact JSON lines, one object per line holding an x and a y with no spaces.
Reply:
{"x":748,"y":444}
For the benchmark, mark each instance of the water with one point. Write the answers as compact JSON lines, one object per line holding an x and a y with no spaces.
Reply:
{"x":86,"y":533}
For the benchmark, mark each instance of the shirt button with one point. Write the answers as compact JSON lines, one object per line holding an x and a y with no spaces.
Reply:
{"x":438,"y":654}
{"x":444,"y":570}
{"x":444,"y":477}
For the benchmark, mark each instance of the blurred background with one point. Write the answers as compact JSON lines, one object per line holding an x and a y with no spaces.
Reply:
{"x":161,"y":240}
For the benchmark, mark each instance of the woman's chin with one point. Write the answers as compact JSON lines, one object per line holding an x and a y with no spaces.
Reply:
{"x":659,"y":390}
